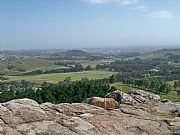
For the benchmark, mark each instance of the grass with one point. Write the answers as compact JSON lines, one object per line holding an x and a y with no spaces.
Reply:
{"x":122,"y":87}
{"x":27,"y":64}
{"x":54,"y":78}
{"x":172,"y":84}
{"x":32,"y":63}
{"x":157,"y":113}
{"x":173,"y":96}
{"x":36,"y":63}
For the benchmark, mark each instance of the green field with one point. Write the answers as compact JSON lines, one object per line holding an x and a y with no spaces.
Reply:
{"x":54,"y":78}
{"x":26,"y":65}
{"x":36,"y":63}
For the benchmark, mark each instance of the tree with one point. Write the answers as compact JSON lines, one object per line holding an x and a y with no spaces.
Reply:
{"x":176,"y":84}
{"x":112,"y":79}
{"x":78,"y":67}
{"x":87,"y":68}
{"x":113,"y":88}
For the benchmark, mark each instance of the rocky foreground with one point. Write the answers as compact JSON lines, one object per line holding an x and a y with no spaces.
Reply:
{"x":139,"y":113}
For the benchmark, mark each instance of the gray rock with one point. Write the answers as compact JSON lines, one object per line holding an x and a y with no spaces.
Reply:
{"x":44,"y":128}
{"x":167,"y":107}
{"x":165,"y":100}
{"x":121,"y":97}
{"x":22,"y":111}
{"x":177,"y":112}
{"x":133,"y":97}
{"x":143,"y":96}
{"x":80,"y":126}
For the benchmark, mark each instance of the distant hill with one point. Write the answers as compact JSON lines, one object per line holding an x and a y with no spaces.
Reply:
{"x":164,"y":53}
{"x":77,"y":53}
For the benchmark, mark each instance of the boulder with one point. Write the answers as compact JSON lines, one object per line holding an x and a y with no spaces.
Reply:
{"x":21,"y":111}
{"x":143,"y":96}
{"x":121,"y":97}
{"x":176,"y":112}
{"x":106,"y":103}
{"x":165,"y":101}
{"x":167,"y":107}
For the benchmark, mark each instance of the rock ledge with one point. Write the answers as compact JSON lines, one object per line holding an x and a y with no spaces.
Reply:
{"x":27,"y":117}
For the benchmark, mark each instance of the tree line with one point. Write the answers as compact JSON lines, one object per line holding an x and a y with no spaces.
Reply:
{"x":155,"y":86}
{"x":76,"y":68}
{"x":66,"y":91}
{"x":139,"y":68}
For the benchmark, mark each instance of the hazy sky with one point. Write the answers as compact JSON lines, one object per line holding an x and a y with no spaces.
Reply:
{"x":36,"y":24}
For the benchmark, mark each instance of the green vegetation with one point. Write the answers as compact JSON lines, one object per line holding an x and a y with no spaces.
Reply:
{"x":173,"y":96}
{"x":149,"y":56}
{"x":93,"y":63}
{"x":122,"y":87}
{"x":160,"y":54}
{"x":71,"y":53}
{"x":156,"y":86}
{"x":27,"y":64}
{"x":155,"y":112}
{"x":156,"y":71}
{"x":64,"y":92}
{"x":54,"y":78}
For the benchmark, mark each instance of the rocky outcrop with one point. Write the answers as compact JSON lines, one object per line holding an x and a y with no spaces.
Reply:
{"x":106,"y":103}
{"x":143,"y":96}
{"x":133,"y":97}
{"x":121,"y":97}
{"x":27,"y":117}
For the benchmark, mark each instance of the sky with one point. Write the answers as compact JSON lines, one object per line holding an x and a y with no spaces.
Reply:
{"x":51,"y":24}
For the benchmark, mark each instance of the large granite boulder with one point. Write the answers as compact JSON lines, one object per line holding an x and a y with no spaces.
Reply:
{"x":106,"y":103}
{"x":133,"y":97}
{"x":178,"y":109}
{"x":143,"y":96}
{"x":21,"y":111}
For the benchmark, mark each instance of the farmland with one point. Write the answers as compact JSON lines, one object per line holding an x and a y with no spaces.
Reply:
{"x":54,"y":78}
{"x":15,"y":67}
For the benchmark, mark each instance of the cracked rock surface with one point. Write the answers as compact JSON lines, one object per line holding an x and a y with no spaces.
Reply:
{"x":27,"y":117}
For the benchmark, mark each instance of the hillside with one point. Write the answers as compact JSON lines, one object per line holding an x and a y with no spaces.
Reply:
{"x":27,"y":117}
{"x":71,"y":53}
{"x":164,"y":53}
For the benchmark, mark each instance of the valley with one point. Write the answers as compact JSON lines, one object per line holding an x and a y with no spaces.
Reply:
{"x":155,"y":71}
